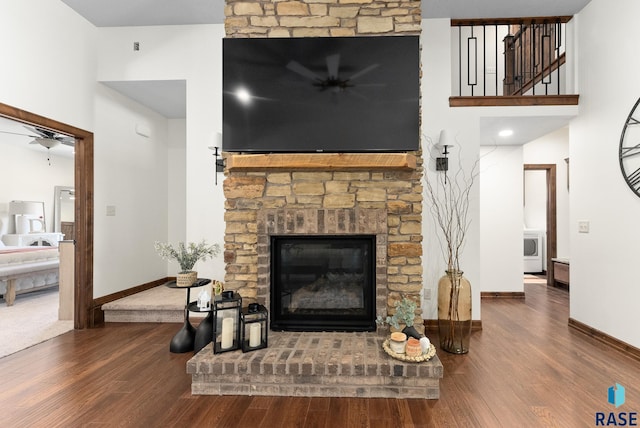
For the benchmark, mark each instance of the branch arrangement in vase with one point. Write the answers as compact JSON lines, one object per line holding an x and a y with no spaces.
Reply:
{"x":449,"y":200}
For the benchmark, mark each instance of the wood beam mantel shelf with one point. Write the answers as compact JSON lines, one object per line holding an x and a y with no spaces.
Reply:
{"x":321,"y":161}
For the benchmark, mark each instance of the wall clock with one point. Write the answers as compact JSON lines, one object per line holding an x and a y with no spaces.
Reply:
{"x":629,"y":153}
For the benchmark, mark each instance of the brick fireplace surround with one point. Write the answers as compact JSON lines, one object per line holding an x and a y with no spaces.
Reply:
{"x":321,"y":194}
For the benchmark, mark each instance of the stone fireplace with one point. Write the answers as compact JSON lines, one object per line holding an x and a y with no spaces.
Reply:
{"x":295,"y":200}
{"x":321,"y":196}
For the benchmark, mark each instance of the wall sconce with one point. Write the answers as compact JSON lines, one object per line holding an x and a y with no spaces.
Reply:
{"x":253,"y":321}
{"x":217,"y":154}
{"x":442,"y":162}
{"x":226,"y":322}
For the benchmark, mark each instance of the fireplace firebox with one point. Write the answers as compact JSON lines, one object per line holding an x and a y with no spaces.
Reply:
{"x":323,"y":283}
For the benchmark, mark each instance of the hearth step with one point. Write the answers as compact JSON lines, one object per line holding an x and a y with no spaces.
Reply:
{"x":315,"y":365}
{"x":158,"y":304}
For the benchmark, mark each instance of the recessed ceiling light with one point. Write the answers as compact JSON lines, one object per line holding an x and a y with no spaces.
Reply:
{"x":505,"y":133}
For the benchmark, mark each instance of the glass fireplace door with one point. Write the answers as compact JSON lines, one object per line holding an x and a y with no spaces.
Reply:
{"x":323,"y":283}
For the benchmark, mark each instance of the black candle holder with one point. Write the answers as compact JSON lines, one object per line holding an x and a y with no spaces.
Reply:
{"x":254,"y":326}
{"x":226,"y":322}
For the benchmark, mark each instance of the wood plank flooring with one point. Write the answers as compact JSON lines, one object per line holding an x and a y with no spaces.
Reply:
{"x":526,"y":368}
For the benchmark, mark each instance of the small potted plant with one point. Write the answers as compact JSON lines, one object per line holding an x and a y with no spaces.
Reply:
{"x":404,"y":314}
{"x":186,"y":255}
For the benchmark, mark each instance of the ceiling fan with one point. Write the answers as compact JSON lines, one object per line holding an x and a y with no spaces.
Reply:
{"x":333,"y":80}
{"x":45,"y":137}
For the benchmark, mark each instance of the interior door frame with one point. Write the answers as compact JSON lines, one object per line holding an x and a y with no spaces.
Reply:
{"x":83,"y":182}
{"x":552,"y":221}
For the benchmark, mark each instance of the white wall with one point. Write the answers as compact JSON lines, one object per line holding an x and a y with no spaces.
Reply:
{"x":48,"y":60}
{"x":176,"y":183}
{"x":131,"y":175}
{"x":550,"y":149}
{"x":604,"y":279}
{"x":192,"y":53}
{"x":535,"y":199}
{"x":501,"y":213}
{"x":463,"y":127}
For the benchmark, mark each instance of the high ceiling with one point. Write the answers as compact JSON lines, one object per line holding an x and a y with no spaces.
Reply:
{"x":117,"y":13}
{"x":168,"y":97}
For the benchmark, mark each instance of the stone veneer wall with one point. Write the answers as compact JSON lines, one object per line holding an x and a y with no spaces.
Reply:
{"x":387,"y":204}
{"x":321,"y":18}
{"x":256,"y":200}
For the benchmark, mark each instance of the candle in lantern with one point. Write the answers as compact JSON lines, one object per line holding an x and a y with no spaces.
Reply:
{"x":227,"y":333}
{"x":255,"y":335}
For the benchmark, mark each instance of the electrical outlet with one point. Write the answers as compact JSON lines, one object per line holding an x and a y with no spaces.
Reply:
{"x":583,"y":226}
{"x":111,"y":210}
{"x":426,"y":293}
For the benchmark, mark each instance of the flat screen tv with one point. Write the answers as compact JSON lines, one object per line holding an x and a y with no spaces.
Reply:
{"x":333,"y":94}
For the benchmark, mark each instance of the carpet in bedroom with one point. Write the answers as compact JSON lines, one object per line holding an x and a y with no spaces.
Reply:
{"x":32,"y":319}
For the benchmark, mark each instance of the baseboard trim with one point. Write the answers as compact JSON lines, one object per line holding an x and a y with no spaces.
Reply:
{"x":432,"y":325}
{"x":96,"y":314}
{"x":625,"y":348}
{"x":502,"y":295}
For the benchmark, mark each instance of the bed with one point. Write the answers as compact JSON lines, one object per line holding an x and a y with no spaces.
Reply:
{"x":25,"y":269}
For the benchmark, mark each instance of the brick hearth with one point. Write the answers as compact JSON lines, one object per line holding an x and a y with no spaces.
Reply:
{"x":315,"y":365}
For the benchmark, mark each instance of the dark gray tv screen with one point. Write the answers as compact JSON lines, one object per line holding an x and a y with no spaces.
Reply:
{"x":333,"y":94}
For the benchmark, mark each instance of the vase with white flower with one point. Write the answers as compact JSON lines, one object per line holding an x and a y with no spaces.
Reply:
{"x":187,"y":255}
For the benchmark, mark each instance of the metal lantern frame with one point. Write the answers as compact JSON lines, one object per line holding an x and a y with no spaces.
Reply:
{"x":226,"y":306}
{"x":254,"y":315}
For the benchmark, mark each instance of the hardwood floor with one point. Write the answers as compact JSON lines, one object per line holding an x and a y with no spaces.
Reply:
{"x":526,"y":368}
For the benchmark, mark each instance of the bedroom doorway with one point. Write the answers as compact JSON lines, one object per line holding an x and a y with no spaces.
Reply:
{"x":83,"y":183}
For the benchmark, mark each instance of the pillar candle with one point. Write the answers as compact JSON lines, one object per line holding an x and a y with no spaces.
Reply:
{"x":255,"y":335}
{"x":227,"y":333}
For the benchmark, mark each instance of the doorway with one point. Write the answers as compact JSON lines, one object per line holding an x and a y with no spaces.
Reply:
{"x":551,"y":226}
{"x":83,"y":184}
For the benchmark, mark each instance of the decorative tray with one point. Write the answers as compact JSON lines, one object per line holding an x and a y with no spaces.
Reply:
{"x":402,"y":357}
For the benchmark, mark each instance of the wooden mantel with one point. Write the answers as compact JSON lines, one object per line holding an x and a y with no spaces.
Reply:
{"x":320,"y":161}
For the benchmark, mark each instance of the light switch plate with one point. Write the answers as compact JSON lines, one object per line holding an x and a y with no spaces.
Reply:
{"x":583,"y":226}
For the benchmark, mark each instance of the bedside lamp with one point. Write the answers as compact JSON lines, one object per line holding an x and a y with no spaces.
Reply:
{"x":27,"y":214}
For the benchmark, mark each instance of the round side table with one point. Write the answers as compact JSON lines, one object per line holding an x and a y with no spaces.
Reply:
{"x":184,"y":339}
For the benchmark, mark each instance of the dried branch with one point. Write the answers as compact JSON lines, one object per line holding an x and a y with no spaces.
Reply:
{"x":448,"y":199}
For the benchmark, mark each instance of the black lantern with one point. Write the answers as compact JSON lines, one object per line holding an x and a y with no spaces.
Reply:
{"x":253,"y":321}
{"x":226,"y":322}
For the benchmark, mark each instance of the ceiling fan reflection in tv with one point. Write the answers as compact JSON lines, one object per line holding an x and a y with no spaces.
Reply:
{"x":332,"y":80}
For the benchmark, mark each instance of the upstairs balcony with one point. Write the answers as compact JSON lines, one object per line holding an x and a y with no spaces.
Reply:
{"x":511,"y":62}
